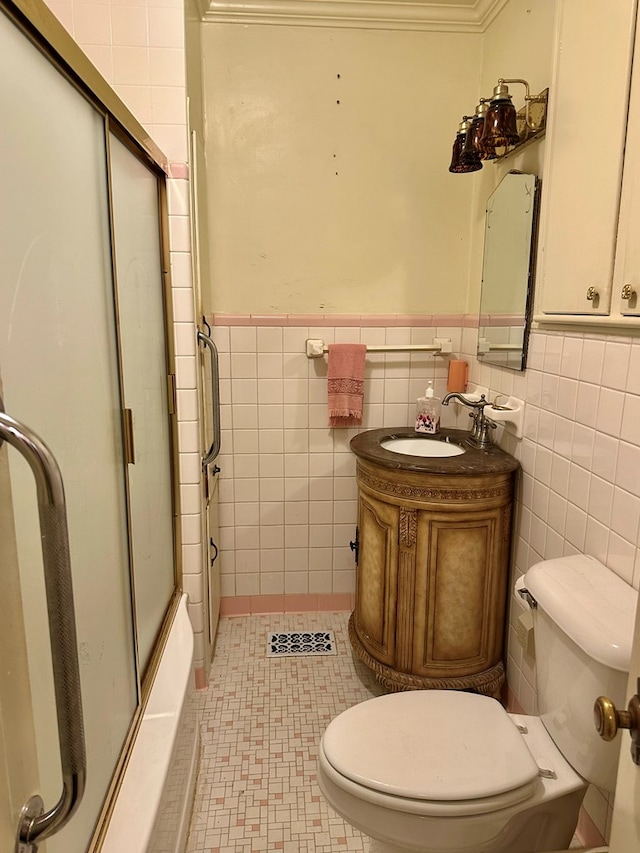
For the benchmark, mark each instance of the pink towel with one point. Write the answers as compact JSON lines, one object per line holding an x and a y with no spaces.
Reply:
{"x":346,"y":384}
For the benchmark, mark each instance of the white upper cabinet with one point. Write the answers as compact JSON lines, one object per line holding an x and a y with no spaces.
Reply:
{"x":584,"y":214}
{"x":626,"y":273}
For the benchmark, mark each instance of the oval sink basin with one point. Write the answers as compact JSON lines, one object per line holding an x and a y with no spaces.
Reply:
{"x":421,"y":447}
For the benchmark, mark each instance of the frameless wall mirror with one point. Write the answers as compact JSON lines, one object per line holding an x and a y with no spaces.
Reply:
{"x":507,"y":271}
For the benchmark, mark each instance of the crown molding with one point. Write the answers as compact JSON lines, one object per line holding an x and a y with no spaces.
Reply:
{"x":422,"y":15}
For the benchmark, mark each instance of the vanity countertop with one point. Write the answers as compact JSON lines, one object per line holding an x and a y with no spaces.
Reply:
{"x":473,"y":462}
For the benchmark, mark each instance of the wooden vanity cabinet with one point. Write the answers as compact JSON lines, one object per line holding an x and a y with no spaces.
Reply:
{"x":432,"y":577}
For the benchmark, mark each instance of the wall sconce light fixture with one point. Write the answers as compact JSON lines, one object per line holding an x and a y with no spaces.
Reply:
{"x":496,"y":129}
{"x":457,"y":165}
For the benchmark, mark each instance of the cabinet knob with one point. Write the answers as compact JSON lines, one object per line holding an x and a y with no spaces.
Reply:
{"x":627,"y":292}
{"x":592,"y":293}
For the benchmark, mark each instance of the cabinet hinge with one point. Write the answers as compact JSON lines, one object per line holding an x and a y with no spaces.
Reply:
{"x":171,"y":393}
{"x":129,"y":446}
{"x":355,"y":545}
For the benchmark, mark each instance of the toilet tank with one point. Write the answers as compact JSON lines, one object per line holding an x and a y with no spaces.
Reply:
{"x":583,"y":631}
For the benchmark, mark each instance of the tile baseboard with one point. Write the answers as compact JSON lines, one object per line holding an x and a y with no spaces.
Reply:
{"x":253,"y":605}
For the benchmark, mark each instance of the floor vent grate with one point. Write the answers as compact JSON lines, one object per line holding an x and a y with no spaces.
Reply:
{"x":300,"y":643}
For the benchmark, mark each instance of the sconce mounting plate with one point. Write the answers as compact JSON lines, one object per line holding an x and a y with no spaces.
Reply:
{"x":537,"y":117}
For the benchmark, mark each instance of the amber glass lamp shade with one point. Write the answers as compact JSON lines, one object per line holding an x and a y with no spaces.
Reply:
{"x":458,"y":166}
{"x":471,"y":152}
{"x":500,"y":128}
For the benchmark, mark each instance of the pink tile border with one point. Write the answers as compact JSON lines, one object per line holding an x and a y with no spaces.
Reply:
{"x":201,"y":678}
{"x":269,"y":319}
{"x":513,"y":706}
{"x":179,"y":170}
{"x":501,"y":320}
{"x":588,"y":833}
{"x":341,"y":320}
{"x":252,"y":605}
{"x":229,"y":320}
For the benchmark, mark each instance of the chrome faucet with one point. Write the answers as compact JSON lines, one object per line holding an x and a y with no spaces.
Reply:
{"x":479,"y":436}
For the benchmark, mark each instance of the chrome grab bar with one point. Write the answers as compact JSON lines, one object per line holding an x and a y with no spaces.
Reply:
{"x":36,"y":824}
{"x":214,"y":450}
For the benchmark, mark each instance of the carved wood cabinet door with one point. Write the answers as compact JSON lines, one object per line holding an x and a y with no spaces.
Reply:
{"x":377,"y":577}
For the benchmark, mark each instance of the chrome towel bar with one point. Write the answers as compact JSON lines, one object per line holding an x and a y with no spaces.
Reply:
{"x":316,"y":347}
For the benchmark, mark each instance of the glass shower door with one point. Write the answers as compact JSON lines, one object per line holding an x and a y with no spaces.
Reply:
{"x":60,"y":376}
{"x":141,"y":313}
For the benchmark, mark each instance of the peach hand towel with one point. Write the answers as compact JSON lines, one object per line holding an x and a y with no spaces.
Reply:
{"x":346,"y":384}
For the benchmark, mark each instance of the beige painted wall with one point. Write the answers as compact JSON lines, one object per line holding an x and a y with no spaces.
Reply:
{"x":325,"y":207}
{"x":518,"y":44}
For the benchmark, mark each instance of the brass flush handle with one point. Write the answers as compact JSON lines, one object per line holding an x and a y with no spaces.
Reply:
{"x":607,"y":720}
{"x":627,"y":292}
{"x":592,"y":294}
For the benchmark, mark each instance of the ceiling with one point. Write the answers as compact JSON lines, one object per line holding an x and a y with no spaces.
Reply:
{"x":430,"y":15}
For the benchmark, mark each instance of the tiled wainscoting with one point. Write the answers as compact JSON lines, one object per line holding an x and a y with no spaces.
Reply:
{"x":287,"y":490}
{"x":288,"y":493}
{"x":580,"y":483}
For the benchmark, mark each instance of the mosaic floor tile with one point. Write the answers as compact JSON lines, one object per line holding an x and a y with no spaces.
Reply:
{"x":262,"y":719}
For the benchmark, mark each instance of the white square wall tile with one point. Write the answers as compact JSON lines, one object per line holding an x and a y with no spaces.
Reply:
{"x":616,"y":365}
{"x":179,"y":229}
{"x":244,"y":390}
{"x":269,"y":365}
{"x":129,"y":25}
{"x":184,"y":335}
{"x":187,"y":404}
{"x":167,"y":66}
{"x":576,"y":526}
{"x":190,"y":498}
{"x":248,"y":584}
{"x":169,"y":106}
{"x":131,"y":66}
{"x":605,"y":455}
{"x":166,"y":27}
{"x":579,"y":480}
{"x":181,"y":272}
{"x":92,"y":25}
{"x":270,"y":339}
{"x":189,"y":437}
{"x":346,"y":335}
{"x":621,"y":557}
{"x":272,"y":537}
{"x":243,"y":339}
{"x":571,"y":357}
{"x":630,"y":429}
{"x":191,"y":529}
{"x":610,"y":409}
{"x":628,"y":468}
{"x":192,"y":562}
{"x":625,"y":515}
{"x":293,"y":339}
{"x":600,"y":500}
{"x":270,"y":391}
{"x":243,"y":365}
{"x":186,"y":371}
{"x":592,"y":360}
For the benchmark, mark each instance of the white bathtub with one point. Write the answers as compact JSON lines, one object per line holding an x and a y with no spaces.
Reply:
{"x":154,"y":803}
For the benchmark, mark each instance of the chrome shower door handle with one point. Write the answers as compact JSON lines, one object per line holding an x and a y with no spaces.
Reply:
{"x":214,"y":450}
{"x":35,"y":823}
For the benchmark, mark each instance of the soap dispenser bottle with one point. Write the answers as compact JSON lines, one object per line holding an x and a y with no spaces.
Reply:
{"x":428,"y":412}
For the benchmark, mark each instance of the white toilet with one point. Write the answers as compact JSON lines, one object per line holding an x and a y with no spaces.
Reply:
{"x":442,"y":771}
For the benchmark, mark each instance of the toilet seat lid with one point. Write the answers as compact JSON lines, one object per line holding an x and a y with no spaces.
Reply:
{"x":430,"y":745}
